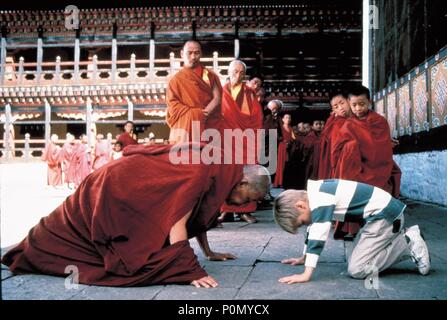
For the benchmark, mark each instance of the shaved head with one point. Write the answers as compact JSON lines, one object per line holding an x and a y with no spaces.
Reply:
{"x":191,"y":54}
{"x":236,"y":72}
{"x":258,"y":177}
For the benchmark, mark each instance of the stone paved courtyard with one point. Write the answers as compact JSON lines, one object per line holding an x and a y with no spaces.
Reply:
{"x":253,"y":275}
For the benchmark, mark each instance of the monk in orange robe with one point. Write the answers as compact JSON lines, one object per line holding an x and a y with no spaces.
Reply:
{"x":241,"y":110}
{"x":363,"y":149}
{"x":51,"y":155}
{"x":125,"y":226}
{"x":128,"y":137}
{"x":193,"y":98}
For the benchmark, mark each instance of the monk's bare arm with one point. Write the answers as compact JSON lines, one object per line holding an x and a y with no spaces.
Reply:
{"x":215,"y":102}
{"x":202,"y":239}
{"x":178,"y":231}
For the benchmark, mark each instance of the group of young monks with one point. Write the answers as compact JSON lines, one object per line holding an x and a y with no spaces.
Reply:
{"x":76,"y":159}
{"x":353,"y":144}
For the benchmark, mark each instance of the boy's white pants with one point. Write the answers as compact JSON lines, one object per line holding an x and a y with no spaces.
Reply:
{"x":376,"y":248}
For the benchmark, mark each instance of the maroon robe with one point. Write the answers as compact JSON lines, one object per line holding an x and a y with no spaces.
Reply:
{"x":66,"y":157}
{"x":126,"y":139}
{"x":283,"y":156}
{"x":51,"y":155}
{"x":234,"y":118}
{"x":312,"y":153}
{"x":115,"y":227}
{"x":83,"y":162}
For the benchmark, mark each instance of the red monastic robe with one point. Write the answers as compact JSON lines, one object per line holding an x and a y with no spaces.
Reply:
{"x":243,"y":113}
{"x":283,"y":156}
{"x":102,"y":154}
{"x":83,"y":162}
{"x":51,"y":155}
{"x":312,"y":154}
{"x":66,"y":158}
{"x":186,"y":97}
{"x":126,"y":139}
{"x":363,"y":152}
{"x":115,"y":227}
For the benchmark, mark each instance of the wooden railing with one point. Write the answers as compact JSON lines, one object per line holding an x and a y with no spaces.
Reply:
{"x":132,"y":71}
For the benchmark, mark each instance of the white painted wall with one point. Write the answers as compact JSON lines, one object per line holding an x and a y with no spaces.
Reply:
{"x":424,"y":176}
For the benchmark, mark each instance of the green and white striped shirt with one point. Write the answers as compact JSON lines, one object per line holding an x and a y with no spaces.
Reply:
{"x":347,"y":201}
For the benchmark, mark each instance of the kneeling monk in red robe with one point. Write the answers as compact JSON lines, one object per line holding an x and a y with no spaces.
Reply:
{"x":129,"y":222}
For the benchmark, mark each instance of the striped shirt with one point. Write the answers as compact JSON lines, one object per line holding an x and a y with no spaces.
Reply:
{"x":346,"y":201}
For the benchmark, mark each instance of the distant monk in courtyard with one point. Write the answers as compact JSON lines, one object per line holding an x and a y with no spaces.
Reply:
{"x":66,"y":158}
{"x":193,"y":95}
{"x":82,"y":160}
{"x":51,"y":155}
{"x":241,"y":110}
{"x":284,"y":144}
{"x":128,"y":137}
{"x":126,"y":226}
{"x":312,"y":150}
{"x":102,"y":152}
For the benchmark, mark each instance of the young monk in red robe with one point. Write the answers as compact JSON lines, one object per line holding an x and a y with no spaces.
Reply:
{"x":83,"y":160}
{"x":288,"y":137}
{"x":193,"y":96}
{"x":363,"y":149}
{"x":128,"y":137}
{"x":241,"y":110}
{"x":126,"y":226}
{"x":51,"y":155}
{"x":102,"y":152}
{"x":341,"y":111}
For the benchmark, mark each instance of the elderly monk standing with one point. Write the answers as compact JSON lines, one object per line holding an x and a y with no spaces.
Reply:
{"x":127,"y":225}
{"x":51,"y":155}
{"x":241,"y":110}
{"x":193,"y":97}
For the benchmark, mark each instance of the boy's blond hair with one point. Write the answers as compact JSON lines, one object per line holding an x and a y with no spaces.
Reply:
{"x":285,"y":212}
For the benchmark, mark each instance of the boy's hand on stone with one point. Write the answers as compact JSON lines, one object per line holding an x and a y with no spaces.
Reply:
{"x":205,"y":282}
{"x":295,"y":278}
{"x":294,"y":261}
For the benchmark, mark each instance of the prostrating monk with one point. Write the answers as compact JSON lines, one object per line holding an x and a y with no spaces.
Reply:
{"x":241,"y":110}
{"x":83,"y":160}
{"x":128,"y":137}
{"x":193,"y":97}
{"x":363,"y":149}
{"x":51,"y":155}
{"x":129,"y":222}
{"x":102,"y":152}
{"x":287,"y":138}
{"x":66,"y":158}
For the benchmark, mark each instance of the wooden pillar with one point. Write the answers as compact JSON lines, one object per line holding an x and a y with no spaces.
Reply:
{"x":57,"y":70}
{"x":152,"y":54}
{"x":47,"y":122}
{"x":129,"y":109}
{"x":77,"y":54}
{"x":114,"y":53}
{"x":21,"y":70}
{"x":39,"y":55}
{"x":236,"y":40}
{"x":8,"y":121}
{"x":3,"y":59}
{"x":88,"y":119}
{"x":171,"y":64}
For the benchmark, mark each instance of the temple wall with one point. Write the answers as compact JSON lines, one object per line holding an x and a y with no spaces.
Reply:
{"x":424,"y":176}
